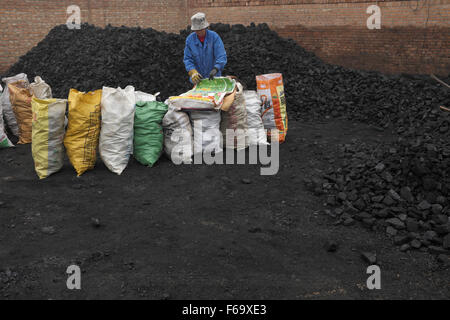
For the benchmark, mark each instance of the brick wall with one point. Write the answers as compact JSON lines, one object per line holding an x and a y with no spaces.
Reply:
{"x":414,"y":35}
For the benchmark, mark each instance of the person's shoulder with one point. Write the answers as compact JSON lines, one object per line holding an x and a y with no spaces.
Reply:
{"x":190,"y":37}
{"x":213,"y":34}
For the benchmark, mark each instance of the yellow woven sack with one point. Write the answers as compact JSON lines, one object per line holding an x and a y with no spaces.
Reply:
{"x":83,"y":130}
{"x":48,"y":134}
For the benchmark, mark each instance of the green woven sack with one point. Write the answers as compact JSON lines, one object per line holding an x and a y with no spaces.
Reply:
{"x":148,"y":131}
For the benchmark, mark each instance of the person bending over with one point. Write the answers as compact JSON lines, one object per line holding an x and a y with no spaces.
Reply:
{"x":204,"y":54}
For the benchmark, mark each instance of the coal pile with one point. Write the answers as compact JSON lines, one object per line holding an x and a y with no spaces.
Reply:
{"x":152,"y":61}
{"x":93,"y":57}
{"x":402,"y":188}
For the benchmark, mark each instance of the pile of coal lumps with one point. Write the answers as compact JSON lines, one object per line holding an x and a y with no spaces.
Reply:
{"x":402,"y":187}
{"x":152,"y":61}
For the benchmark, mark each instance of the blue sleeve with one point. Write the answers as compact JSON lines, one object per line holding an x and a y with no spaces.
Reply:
{"x":220,"y":54}
{"x":188,"y":58}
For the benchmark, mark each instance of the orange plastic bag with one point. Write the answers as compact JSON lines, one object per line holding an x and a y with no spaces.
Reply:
{"x":20,"y":97}
{"x":271,"y":92}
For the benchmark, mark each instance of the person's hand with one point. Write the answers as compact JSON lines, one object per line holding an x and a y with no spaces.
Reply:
{"x":213,"y":73}
{"x":195,"y":76}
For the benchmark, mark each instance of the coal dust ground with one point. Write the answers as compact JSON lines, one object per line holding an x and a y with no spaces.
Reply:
{"x":199,"y":232}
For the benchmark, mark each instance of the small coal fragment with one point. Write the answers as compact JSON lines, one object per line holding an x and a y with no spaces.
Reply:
{"x":443,"y":229}
{"x":255,"y":230}
{"x":359,"y":204}
{"x":394,"y":195}
{"x":412,"y":225}
{"x":95,"y":223}
{"x":401,"y":240}
{"x":342,"y":196}
{"x":441,"y":200}
{"x":437,"y":250}
{"x":436,"y":208}
{"x":48,"y":230}
{"x":391,"y":231}
{"x":380,"y":167}
{"x":416,"y":244}
{"x":396,"y":223}
{"x":388,"y":201}
{"x":424,"y":205}
{"x":446,"y":242}
{"x":166,"y":296}
{"x":406,"y":194}
{"x":430,"y":235}
{"x":363,"y":215}
{"x":369,"y":257}
{"x":368,"y":222}
{"x":405,"y":247}
{"x":349,"y":222}
{"x":444,"y":259}
{"x":377,"y":199}
{"x":331,"y":246}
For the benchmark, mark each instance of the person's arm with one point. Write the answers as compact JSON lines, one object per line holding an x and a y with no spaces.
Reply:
{"x":189,"y":63}
{"x":188,"y":57}
{"x":220,"y":54}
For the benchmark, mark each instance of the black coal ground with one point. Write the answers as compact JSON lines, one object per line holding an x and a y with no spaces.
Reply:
{"x":200,"y":232}
{"x":398,"y":186}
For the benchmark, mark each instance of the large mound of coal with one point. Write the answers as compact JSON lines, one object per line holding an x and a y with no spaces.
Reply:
{"x":92,"y":57}
{"x":402,"y":187}
{"x":152,"y":61}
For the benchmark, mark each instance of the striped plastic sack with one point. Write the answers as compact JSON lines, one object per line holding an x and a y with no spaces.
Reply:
{"x":47,"y":146}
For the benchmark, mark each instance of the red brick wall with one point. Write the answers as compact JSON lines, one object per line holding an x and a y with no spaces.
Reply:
{"x":414,"y":35}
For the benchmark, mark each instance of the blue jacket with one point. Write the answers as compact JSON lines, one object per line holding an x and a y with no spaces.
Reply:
{"x":205,"y":57}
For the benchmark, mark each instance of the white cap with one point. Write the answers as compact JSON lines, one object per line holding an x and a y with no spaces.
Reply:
{"x":199,"y":22}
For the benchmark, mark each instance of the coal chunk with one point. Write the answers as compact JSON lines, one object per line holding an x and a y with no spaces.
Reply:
{"x":331,"y":246}
{"x":446,"y":242}
{"x":424,"y":205}
{"x":396,"y":223}
{"x":406,"y":194}
{"x":416,"y":244}
{"x":369,"y":257}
